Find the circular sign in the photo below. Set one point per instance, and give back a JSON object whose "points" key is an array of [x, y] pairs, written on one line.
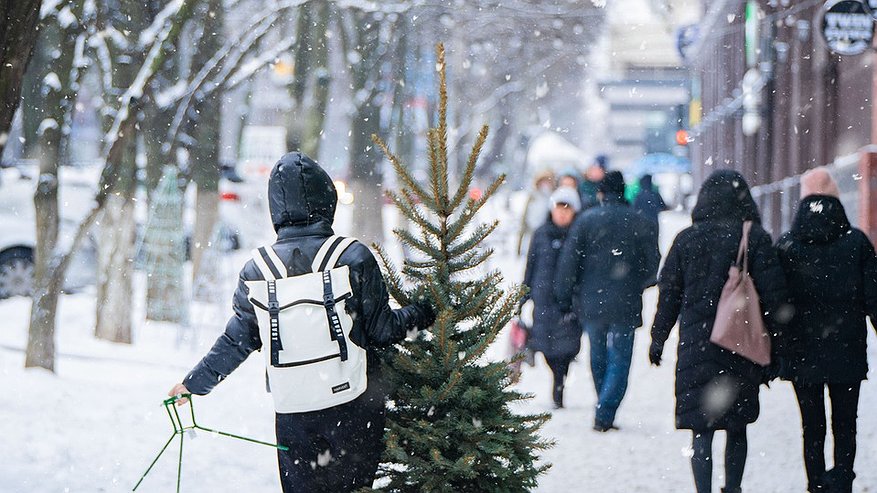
{"points": [[847, 27]]}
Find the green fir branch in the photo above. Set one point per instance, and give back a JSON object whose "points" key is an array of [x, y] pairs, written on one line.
{"points": [[474, 240], [495, 322], [395, 283], [435, 177], [479, 304], [469, 172], [412, 212], [403, 175], [410, 240], [442, 136], [473, 206], [472, 260]]}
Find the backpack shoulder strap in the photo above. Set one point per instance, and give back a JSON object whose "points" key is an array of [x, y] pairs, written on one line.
{"points": [[328, 254], [332, 261], [323, 252], [269, 263], [275, 260]]}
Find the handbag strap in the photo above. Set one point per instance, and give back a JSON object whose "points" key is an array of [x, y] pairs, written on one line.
{"points": [[743, 249]]}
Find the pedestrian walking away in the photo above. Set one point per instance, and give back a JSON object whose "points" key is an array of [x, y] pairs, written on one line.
{"points": [[831, 270], [590, 185], [649, 201], [555, 334], [610, 257], [334, 431], [715, 388], [536, 209]]}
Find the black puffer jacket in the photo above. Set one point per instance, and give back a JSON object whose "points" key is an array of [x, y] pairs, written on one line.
{"points": [[302, 200], [610, 256], [832, 273], [557, 337], [715, 389]]}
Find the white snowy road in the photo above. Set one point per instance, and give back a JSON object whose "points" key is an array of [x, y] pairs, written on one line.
{"points": [[97, 422]]}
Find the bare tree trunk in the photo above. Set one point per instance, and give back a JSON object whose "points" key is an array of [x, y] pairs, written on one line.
{"points": [[41, 333], [304, 47], [32, 98], [48, 281], [320, 79], [116, 254], [18, 35], [365, 176], [118, 229], [206, 132], [115, 270], [497, 152], [365, 159], [206, 218]]}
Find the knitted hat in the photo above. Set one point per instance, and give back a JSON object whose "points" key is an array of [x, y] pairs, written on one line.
{"points": [[818, 181], [612, 184], [567, 195]]}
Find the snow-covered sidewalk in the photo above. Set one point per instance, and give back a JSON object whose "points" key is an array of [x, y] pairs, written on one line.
{"points": [[96, 423]]}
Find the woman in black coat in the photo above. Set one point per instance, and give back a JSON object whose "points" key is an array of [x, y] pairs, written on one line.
{"points": [[555, 334], [715, 389], [831, 269]]}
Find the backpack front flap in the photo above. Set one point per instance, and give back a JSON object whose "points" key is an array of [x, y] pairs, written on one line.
{"points": [[304, 329]]}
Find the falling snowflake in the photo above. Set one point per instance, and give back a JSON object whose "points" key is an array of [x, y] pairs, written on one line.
{"points": [[324, 458]]}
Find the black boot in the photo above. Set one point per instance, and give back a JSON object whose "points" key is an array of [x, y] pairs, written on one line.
{"points": [[558, 397], [838, 481], [817, 486], [732, 490]]}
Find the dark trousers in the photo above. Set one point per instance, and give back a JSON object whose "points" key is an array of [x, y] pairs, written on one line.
{"points": [[333, 450], [844, 407], [736, 447], [559, 368]]}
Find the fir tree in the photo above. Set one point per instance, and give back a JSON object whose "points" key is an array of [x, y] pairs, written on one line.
{"points": [[450, 427]]}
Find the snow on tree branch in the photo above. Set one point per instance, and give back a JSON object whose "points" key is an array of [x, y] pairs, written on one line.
{"points": [[217, 72], [175, 16], [160, 23]]}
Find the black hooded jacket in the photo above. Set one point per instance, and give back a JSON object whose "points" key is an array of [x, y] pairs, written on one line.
{"points": [[609, 258], [649, 201], [690, 284], [302, 201], [832, 273]]}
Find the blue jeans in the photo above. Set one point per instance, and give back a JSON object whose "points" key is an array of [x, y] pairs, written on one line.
{"points": [[611, 352]]}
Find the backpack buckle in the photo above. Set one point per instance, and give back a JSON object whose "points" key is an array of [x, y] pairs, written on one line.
{"points": [[328, 295]]}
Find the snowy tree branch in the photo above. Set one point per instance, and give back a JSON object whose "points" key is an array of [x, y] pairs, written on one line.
{"points": [[222, 65], [177, 13]]}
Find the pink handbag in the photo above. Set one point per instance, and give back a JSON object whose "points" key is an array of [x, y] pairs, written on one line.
{"points": [[739, 326]]}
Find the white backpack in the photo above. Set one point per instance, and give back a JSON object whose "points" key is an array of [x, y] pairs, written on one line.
{"points": [[305, 330]]}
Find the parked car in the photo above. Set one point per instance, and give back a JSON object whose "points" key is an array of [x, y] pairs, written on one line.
{"points": [[18, 223], [18, 231]]}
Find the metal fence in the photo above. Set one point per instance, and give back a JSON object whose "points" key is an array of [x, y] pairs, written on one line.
{"points": [[778, 201]]}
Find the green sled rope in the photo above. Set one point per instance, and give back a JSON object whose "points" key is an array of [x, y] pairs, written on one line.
{"points": [[180, 429]]}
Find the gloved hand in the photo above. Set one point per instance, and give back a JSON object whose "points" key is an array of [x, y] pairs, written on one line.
{"points": [[771, 372], [568, 318], [426, 313], [524, 300], [655, 351]]}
